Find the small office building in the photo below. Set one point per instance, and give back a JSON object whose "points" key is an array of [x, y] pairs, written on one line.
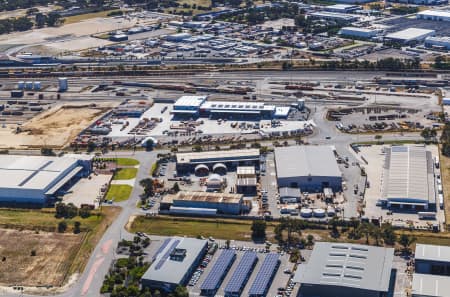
{"points": [[174, 263]]}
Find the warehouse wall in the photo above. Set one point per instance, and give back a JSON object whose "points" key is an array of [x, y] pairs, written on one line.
{"points": [[312, 183], [334, 291]]}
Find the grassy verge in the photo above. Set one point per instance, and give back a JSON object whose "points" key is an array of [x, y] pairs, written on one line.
{"points": [[445, 176], [223, 229], [81, 17], [42, 220], [108, 215], [119, 193], [241, 230], [125, 173], [127, 162]]}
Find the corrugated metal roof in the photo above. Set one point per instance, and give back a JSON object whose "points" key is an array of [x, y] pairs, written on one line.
{"points": [[33, 172], [218, 156], [408, 173], [293, 161], [430, 285], [171, 271], [348, 265], [432, 252]]}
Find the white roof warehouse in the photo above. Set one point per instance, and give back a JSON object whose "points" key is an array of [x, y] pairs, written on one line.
{"points": [[35, 179], [409, 177], [311, 168]]}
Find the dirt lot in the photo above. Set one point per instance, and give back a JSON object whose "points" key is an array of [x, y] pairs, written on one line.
{"points": [[55, 127], [48, 267]]}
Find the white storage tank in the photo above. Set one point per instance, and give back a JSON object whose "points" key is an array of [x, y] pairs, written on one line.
{"points": [[21, 85], [29, 85], [331, 211], [319, 213], [37, 85], [62, 84], [306, 212]]}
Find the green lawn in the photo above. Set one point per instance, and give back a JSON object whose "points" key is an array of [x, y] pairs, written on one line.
{"points": [[119, 192], [127, 162], [125, 173]]}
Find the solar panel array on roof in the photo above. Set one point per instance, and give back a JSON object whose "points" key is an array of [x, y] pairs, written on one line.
{"points": [[241, 274], [265, 274], [161, 248], [167, 254], [219, 270]]}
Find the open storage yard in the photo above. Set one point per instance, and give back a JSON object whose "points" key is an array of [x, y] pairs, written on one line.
{"points": [[55, 127]]}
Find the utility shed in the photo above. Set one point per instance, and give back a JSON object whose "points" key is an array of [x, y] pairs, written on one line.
{"points": [[342, 270], [409, 182], [310, 168]]}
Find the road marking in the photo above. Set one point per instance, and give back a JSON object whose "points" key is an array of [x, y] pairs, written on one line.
{"points": [[91, 274], [106, 246]]}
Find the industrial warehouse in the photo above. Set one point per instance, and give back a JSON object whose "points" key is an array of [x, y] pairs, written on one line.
{"points": [[204, 203], [37, 180], [342, 270], [409, 179], [195, 106], [432, 269], [203, 162], [310, 168], [174, 262]]}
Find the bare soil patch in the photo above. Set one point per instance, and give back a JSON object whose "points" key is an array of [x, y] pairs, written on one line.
{"points": [[54, 255]]}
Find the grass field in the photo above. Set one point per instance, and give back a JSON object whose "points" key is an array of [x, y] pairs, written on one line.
{"points": [[223, 229], [240, 230], [57, 255], [445, 176], [127, 162], [119, 193], [81, 17], [125, 173]]}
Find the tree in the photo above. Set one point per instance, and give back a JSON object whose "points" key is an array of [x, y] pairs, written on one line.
{"points": [[176, 187], [149, 143], [22, 24], [310, 240], [84, 212], [259, 229], [147, 184], [376, 234], [33, 253], [53, 19], [76, 227], [62, 227], [388, 234], [406, 241], [40, 20], [66, 211], [366, 229], [181, 291], [45, 151]]}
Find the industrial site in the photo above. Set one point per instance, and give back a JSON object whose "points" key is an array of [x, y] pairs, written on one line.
{"points": [[224, 148]]}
